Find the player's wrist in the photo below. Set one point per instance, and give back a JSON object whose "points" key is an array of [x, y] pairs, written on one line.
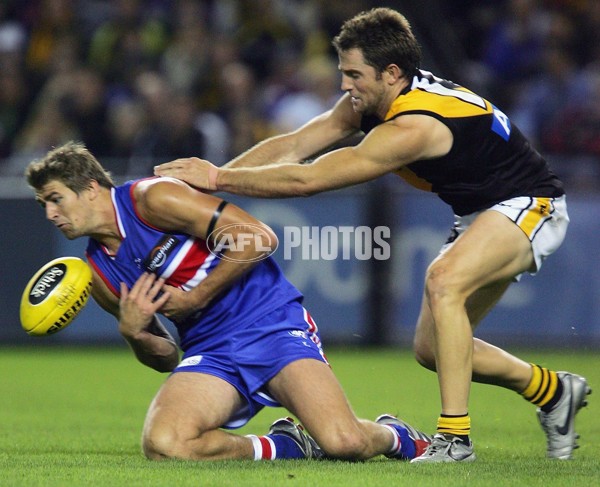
{"points": [[133, 331], [213, 173]]}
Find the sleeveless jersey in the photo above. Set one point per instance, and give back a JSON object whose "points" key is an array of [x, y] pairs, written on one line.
{"points": [[184, 261], [490, 160]]}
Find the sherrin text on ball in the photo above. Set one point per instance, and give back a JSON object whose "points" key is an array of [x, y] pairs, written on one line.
{"points": [[55, 295]]}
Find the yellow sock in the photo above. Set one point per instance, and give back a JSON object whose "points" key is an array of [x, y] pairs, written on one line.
{"points": [[542, 386], [454, 425]]}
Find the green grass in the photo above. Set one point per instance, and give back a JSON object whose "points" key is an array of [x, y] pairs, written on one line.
{"points": [[72, 417]]}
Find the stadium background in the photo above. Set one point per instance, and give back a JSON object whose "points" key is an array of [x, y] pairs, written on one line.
{"points": [[143, 82]]}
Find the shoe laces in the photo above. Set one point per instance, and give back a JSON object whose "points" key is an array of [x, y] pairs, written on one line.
{"points": [[440, 443]]}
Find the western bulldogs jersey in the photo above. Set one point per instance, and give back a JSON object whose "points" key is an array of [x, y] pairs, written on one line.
{"points": [[490, 160], [184, 261]]}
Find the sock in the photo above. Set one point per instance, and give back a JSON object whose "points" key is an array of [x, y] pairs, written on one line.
{"points": [[544, 389], [403, 446], [271, 447], [455, 425]]}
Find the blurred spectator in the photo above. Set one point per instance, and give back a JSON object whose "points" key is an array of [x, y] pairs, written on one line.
{"points": [[84, 106], [186, 60], [241, 107], [542, 99], [45, 127], [217, 137], [128, 42], [576, 128], [514, 47], [316, 92], [589, 27], [153, 92], [284, 80], [14, 95], [171, 129], [126, 120], [13, 36], [54, 26], [14, 105], [261, 33]]}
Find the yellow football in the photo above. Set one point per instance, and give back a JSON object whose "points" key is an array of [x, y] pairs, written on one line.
{"points": [[55, 295]]}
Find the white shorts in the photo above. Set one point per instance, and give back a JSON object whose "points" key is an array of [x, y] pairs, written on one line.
{"points": [[543, 220]]}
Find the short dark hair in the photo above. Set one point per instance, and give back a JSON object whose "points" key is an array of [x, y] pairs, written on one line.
{"points": [[72, 164], [384, 36]]}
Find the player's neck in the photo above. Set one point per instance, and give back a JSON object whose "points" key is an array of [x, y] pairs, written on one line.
{"points": [[392, 94], [106, 231]]}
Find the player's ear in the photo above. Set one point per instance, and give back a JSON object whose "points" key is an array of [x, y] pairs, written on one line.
{"points": [[392, 73], [94, 189]]}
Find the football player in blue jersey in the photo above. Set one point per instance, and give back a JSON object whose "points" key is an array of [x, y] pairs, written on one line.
{"points": [[510, 211], [158, 246]]}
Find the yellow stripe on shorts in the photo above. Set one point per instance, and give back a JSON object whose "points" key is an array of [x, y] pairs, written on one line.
{"points": [[534, 217]]}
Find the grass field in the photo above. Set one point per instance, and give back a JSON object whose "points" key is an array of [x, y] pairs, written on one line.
{"points": [[73, 416]]}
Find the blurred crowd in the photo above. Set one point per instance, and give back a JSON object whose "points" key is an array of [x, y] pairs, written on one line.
{"points": [[146, 81], [540, 61]]}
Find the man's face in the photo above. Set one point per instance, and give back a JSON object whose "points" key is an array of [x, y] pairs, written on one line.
{"points": [[362, 83], [65, 208]]}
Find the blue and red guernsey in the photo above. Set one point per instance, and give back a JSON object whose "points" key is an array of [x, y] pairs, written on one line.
{"points": [[185, 261]]}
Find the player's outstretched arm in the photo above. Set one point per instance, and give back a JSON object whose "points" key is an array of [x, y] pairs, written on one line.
{"points": [[386, 148], [314, 137]]}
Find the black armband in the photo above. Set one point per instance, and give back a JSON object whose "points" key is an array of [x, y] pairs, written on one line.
{"points": [[215, 217]]}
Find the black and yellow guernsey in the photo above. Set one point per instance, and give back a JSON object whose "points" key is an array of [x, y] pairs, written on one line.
{"points": [[490, 159]]}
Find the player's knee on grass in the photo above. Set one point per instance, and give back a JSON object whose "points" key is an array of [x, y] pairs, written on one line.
{"points": [[157, 445], [160, 443], [344, 444]]}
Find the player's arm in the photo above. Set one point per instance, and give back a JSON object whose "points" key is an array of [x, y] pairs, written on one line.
{"points": [[150, 341], [386, 148], [313, 137], [172, 205]]}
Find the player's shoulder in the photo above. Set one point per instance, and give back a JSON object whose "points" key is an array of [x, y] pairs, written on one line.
{"points": [[156, 190], [156, 184], [159, 201], [431, 94]]}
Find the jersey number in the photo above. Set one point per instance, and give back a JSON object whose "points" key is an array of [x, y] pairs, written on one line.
{"points": [[433, 84], [501, 124], [443, 87]]}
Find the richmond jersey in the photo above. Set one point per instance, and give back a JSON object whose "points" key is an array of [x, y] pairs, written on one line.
{"points": [[490, 159], [185, 261]]}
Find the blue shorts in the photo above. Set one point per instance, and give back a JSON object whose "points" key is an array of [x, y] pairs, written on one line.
{"points": [[255, 354]]}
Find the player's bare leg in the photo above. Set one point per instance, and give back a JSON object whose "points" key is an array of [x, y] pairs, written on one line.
{"points": [[184, 418], [309, 389], [491, 250], [491, 364]]}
